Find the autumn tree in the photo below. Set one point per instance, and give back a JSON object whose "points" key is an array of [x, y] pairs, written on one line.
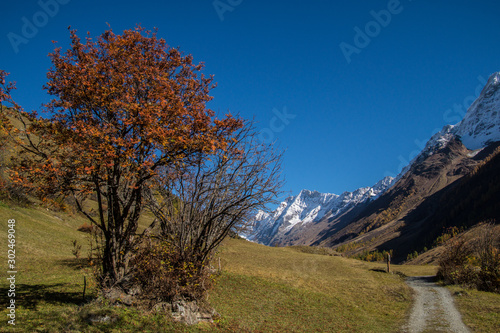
{"points": [[5, 125], [8, 108], [124, 107], [9, 134], [198, 205]]}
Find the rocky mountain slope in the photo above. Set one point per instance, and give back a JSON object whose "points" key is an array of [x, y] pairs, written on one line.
{"points": [[295, 216], [452, 187], [396, 213]]}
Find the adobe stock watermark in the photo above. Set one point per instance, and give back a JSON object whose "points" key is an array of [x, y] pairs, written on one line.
{"points": [[458, 111], [11, 271], [223, 6], [277, 124], [363, 37], [31, 25], [451, 116]]}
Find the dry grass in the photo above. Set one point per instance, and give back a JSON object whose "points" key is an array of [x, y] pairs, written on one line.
{"points": [[480, 310], [333, 293], [261, 289]]}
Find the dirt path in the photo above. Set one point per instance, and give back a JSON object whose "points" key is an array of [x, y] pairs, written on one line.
{"points": [[433, 309]]}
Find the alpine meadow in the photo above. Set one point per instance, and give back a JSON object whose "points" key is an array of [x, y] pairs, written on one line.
{"points": [[147, 187]]}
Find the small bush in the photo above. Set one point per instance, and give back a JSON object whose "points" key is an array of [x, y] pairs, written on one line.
{"points": [[166, 273], [86, 228], [373, 255], [76, 249], [12, 192], [473, 259]]}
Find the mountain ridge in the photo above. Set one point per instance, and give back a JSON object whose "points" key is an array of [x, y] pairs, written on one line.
{"points": [[300, 223], [308, 207]]}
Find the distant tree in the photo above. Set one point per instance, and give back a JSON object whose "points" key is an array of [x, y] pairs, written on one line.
{"points": [[9, 134], [196, 207], [6, 105], [5, 125], [125, 107]]}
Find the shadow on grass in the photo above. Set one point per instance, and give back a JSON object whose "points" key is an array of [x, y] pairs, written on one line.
{"points": [[29, 295], [76, 264]]}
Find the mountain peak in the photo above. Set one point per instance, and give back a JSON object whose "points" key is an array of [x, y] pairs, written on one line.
{"points": [[309, 211], [481, 124], [309, 207], [307, 195], [494, 80]]}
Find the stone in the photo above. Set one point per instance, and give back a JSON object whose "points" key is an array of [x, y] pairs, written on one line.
{"points": [[94, 318], [118, 296], [190, 313]]}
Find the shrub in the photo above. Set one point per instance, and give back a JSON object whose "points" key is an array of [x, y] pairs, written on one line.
{"points": [[86, 228], [76, 249], [373, 255], [166, 273], [473, 259]]}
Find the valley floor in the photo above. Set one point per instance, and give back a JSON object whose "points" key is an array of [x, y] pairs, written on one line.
{"points": [[260, 289]]}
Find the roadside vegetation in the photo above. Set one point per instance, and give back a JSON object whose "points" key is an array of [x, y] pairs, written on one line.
{"points": [[124, 196], [473, 259], [259, 289]]}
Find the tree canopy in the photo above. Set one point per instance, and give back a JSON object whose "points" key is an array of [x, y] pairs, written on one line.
{"points": [[124, 106], [128, 129]]}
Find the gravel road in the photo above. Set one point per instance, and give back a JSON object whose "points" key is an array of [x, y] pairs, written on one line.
{"points": [[433, 309]]}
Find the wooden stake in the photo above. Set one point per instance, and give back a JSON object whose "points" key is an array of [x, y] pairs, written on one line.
{"points": [[84, 286]]}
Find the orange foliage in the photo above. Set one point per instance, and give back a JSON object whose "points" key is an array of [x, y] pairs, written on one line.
{"points": [[5, 89], [126, 101], [124, 106]]}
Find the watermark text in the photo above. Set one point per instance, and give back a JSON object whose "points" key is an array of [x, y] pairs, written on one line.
{"points": [[31, 25], [223, 6], [11, 271]]}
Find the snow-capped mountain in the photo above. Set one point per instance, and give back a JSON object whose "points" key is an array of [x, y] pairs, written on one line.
{"points": [[480, 126], [309, 207], [453, 182], [309, 210]]}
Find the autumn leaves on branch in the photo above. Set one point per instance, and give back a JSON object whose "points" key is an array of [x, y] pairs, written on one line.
{"points": [[128, 124]]}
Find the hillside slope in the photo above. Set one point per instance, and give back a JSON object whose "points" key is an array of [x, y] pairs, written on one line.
{"points": [[261, 289], [412, 210], [300, 217], [452, 187]]}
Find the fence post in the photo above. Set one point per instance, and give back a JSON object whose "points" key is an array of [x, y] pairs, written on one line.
{"points": [[388, 263], [84, 287]]}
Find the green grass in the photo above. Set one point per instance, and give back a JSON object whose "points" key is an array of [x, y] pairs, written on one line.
{"points": [[480, 310], [44, 245], [261, 289], [292, 291]]}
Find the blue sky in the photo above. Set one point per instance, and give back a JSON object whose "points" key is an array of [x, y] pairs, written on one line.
{"points": [[348, 107]]}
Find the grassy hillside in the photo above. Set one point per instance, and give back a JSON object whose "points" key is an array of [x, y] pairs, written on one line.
{"points": [[450, 188], [287, 290], [261, 289]]}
